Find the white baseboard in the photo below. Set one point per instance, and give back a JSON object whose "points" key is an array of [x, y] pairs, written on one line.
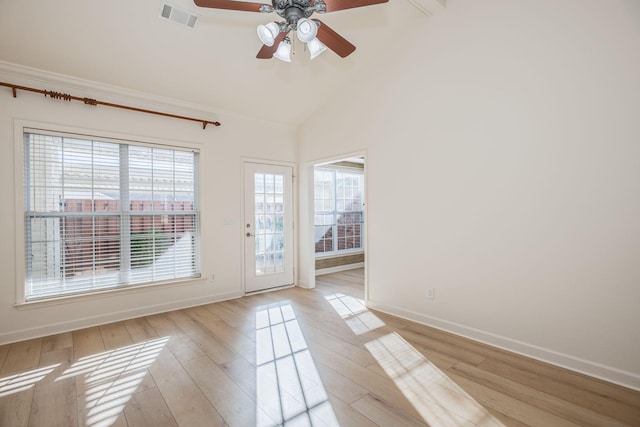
{"points": [[593, 369], [338, 268], [86, 322]]}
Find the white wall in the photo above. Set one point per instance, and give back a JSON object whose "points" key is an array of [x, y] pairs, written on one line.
{"points": [[222, 149], [510, 133]]}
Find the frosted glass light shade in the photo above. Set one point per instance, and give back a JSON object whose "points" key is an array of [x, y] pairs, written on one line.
{"points": [[284, 51], [268, 33], [316, 47], [306, 30]]}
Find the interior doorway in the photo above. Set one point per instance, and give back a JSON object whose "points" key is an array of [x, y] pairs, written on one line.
{"points": [[339, 217]]}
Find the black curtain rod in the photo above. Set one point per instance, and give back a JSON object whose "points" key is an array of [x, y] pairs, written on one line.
{"points": [[91, 101]]}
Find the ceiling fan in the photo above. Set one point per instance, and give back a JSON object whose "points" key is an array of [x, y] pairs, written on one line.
{"points": [[296, 13]]}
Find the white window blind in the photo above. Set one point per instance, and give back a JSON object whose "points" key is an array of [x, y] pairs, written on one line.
{"points": [[103, 214]]}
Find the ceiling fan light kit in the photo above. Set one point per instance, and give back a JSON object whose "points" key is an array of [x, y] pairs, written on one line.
{"points": [[306, 30], [296, 13], [315, 47], [268, 33], [283, 53]]}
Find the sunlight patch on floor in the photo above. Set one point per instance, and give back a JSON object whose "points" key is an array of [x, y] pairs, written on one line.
{"points": [[354, 313], [438, 399], [24, 380], [111, 378], [288, 387]]}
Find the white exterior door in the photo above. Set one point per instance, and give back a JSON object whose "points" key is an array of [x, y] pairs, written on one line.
{"points": [[268, 226]]}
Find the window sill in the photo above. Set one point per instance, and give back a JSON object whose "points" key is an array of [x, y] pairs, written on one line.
{"points": [[66, 299], [330, 255]]}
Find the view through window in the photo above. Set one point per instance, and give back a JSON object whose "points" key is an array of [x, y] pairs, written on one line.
{"points": [[101, 214], [339, 216]]}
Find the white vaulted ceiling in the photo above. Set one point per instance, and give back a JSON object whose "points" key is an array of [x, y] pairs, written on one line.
{"points": [[125, 43]]}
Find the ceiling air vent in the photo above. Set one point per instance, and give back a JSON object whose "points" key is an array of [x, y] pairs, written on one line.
{"points": [[180, 16]]}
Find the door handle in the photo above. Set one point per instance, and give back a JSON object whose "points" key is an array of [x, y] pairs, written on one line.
{"points": [[250, 235]]}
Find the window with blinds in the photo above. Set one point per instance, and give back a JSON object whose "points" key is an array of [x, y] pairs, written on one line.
{"points": [[104, 214]]}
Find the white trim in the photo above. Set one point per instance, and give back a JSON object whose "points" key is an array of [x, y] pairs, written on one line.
{"points": [[20, 127], [339, 254], [86, 322], [339, 268], [98, 294], [18, 200], [593, 369], [294, 195], [309, 210]]}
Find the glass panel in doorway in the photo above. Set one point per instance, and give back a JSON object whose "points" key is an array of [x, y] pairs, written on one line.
{"points": [[269, 223]]}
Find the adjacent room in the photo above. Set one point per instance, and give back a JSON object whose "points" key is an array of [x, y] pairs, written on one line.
{"points": [[320, 213]]}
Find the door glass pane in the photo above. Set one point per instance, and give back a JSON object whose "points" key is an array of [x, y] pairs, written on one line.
{"points": [[269, 223]]}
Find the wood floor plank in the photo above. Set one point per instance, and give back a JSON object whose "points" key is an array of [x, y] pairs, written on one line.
{"points": [[354, 352], [294, 357], [148, 409], [441, 347], [549, 403], [225, 312], [17, 382], [202, 337], [379, 412], [22, 356], [242, 373], [510, 406], [348, 416], [188, 404], [339, 385], [4, 350], [54, 399], [235, 406], [230, 337], [376, 384], [584, 397], [140, 329], [87, 342], [57, 342], [115, 335], [184, 348], [163, 325], [15, 407]]}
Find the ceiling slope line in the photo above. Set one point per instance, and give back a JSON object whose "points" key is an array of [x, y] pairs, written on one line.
{"points": [[429, 7]]}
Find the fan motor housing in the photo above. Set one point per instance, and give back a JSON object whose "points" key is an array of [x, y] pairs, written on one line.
{"points": [[293, 10]]}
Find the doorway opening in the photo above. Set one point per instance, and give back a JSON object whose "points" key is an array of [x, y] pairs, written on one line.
{"points": [[339, 219]]}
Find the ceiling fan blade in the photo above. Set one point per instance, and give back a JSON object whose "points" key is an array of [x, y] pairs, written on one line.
{"points": [[266, 52], [232, 5], [333, 5], [334, 41]]}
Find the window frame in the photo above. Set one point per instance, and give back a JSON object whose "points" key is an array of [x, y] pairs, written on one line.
{"points": [[20, 128], [340, 252]]}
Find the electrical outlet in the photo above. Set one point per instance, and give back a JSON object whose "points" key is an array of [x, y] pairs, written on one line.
{"points": [[431, 293], [212, 277]]}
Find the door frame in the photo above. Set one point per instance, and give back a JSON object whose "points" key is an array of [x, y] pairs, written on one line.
{"points": [[294, 195], [307, 247]]}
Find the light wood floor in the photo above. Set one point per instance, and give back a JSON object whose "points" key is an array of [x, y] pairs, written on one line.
{"points": [[294, 357]]}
